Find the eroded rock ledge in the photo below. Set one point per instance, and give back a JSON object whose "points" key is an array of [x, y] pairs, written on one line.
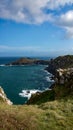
{"points": [[62, 88], [63, 76], [3, 97]]}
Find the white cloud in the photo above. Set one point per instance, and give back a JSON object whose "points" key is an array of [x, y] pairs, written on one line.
{"points": [[54, 4], [29, 11], [34, 12], [25, 11], [66, 21]]}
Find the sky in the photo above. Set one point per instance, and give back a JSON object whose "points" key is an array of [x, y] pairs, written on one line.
{"points": [[36, 27]]}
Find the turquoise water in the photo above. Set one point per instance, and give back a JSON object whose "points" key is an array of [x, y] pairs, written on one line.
{"points": [[14, 79]]}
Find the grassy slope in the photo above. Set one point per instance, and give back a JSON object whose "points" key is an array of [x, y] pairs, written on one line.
{"points": [[54, 115], [52, 110], [48, 115]]}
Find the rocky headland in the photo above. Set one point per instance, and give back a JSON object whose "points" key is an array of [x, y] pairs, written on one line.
{"points": [[51, 109], [62, 88], [28, 61], [62, 62], [62, 69]]}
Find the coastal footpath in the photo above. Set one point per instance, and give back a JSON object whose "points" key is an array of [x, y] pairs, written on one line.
{"points": [[50, 110]]}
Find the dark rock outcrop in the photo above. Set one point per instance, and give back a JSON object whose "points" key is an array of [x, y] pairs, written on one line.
{"points": [[27, 61], [62, 88], [41, 97], [60, 62]]}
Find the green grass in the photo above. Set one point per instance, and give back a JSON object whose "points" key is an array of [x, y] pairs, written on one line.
{"points": [[50, 110], [38, 98], [53, 115]]}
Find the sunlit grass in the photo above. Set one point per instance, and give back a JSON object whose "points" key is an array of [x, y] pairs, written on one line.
{"points": [[54, 115]]}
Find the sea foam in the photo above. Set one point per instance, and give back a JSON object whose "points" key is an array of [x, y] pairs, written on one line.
{"points": [[48, 79], [28, 93], [2, 65]]}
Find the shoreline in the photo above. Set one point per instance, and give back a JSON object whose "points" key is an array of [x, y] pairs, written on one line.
{"points": [[28, 93]]}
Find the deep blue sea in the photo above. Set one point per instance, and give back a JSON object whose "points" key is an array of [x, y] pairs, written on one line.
{"points": [[17, 80]]}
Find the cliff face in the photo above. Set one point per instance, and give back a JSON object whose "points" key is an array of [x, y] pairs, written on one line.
{"points": [[3, 97], [64, 76], [62, 88], [62, 62]]}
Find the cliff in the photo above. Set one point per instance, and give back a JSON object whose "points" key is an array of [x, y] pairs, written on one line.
{"points": [[60, 62], [61, 89], [3, 97], [63, 86]]}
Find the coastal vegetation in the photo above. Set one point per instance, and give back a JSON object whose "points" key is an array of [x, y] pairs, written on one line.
{"points": [[50, 110]]}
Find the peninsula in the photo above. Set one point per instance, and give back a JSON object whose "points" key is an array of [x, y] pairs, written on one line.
{"points": [[28, 61]]}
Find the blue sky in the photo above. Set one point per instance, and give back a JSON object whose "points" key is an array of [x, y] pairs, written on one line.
{"points": [[36, 28]]}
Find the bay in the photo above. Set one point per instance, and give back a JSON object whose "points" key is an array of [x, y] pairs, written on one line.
{"points": [[15, 79]]}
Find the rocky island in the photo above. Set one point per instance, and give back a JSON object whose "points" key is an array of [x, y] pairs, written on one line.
{"points": [[52, 109], [28, 61]]}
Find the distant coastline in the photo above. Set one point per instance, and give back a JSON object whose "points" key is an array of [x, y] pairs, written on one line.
{"points": [[6, 60]]}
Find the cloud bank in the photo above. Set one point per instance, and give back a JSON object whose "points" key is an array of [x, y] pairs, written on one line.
{"points": [[38, 12], [30, 11], [66, 21]]}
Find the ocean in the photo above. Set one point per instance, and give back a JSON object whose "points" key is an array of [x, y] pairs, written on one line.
{"points": [[19, 82]]}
